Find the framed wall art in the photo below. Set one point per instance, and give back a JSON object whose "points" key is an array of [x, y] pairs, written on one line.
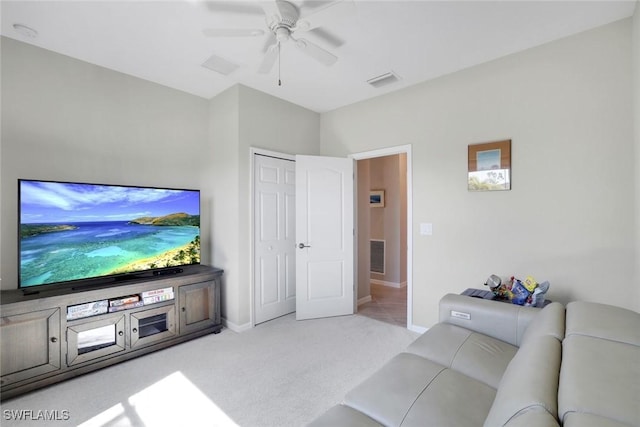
{"points": [[376, 198], [489, 166]]}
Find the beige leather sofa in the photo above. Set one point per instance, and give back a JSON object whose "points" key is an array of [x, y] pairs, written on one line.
{"points": [[495, 364]]}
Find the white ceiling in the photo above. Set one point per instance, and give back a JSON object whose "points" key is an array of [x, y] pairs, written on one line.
{"points": [[162, 41]]}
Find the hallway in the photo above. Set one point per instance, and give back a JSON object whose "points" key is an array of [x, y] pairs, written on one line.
{"points": [[387, 304]]}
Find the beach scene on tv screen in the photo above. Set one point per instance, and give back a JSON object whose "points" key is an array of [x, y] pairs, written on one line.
{"points": [[73, 231]]}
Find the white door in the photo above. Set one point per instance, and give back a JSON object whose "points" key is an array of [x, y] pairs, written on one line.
{"points": [[324, 235], [274, 238]]}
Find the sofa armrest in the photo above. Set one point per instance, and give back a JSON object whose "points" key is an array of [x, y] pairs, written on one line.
{"points": [[506, 322]]}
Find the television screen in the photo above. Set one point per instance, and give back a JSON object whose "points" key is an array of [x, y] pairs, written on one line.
{"points": [[74, 231]]}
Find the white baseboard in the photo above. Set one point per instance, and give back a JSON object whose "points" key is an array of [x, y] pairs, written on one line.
{"points": [[389, 284], [364, 300], [236, 328], [418, 329]]}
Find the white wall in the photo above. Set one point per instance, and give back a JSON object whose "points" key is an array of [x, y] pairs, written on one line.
{"points": [[266, 122], [64, 119], [570, 214]]}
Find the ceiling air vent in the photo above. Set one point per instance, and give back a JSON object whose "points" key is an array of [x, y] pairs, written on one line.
{"points": [[220, 65], [383, 79]]}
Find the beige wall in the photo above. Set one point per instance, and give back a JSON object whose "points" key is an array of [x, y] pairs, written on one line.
{"points": [[363, 219], [389, 223], [64, 119], [569, 216], [224, 119]]}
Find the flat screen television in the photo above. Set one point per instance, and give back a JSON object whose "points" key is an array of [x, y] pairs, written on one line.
{"points": [[76, 233]]}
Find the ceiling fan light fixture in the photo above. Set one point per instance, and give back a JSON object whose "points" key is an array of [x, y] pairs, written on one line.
{"points": [[282, 34]]}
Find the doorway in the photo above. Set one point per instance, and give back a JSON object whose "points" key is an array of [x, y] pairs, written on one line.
{"points": [[362, 265], [308, 198], [382, 238]]}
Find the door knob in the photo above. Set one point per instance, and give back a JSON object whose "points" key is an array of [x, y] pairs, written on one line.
{"points": [[302, 246]]}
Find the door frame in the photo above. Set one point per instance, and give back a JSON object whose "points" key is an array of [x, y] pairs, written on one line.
{"points": [[389, 151], [252, 153]]}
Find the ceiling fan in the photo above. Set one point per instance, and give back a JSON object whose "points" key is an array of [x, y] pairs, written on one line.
{"points": [[283, 20]]}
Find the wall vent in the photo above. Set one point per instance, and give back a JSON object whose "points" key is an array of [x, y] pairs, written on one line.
{"points": [[377, 256], [383, 79]]}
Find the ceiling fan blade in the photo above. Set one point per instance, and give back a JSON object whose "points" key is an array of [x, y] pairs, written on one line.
{"points": [[316, 52], [271, 11], [328, 38], [242, 8], [232, 32], [325, 14], [269, 41], [269, 59]]}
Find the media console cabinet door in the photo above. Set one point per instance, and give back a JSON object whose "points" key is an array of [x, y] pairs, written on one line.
{"points": [[30, 345], [93, 339], [150, 326], [197, 306]]}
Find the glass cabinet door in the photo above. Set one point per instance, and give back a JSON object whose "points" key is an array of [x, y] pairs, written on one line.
{"points": [[90, 340], [153, 325]]}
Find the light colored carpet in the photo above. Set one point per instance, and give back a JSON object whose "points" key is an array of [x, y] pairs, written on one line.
{"points": [[281, 373]]}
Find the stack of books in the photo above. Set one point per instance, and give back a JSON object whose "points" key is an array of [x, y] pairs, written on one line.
{"points": [[125, 303], [158, 295], [87, 309]]}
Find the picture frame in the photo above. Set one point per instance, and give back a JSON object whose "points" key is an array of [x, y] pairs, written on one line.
{"points": [[489, 166], [376, 199]]}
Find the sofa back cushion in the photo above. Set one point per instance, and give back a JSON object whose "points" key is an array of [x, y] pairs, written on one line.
{"points": [[503, 321], [549, 321], [603, 321], [600, 375], [530, 383]]}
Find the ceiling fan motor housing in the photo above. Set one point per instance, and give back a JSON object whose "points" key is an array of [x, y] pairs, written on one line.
{"points": [[289, 14]]}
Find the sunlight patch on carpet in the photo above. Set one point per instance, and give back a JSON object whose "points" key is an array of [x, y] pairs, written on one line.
{"points": [[174, 400]]}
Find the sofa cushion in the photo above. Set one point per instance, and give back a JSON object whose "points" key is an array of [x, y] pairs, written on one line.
{"points": [[412, 383], [451, 400], [343, 416], [387, 395], [603, 321], [549, 321], [475, 355], [529, 383], [575, 419], [600, 377], [536, 416]]}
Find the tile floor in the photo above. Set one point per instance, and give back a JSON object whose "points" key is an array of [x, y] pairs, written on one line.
{"points": [[387, 304]]}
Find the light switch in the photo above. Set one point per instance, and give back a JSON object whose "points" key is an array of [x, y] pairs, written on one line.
{"points": [[426, 228]]}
